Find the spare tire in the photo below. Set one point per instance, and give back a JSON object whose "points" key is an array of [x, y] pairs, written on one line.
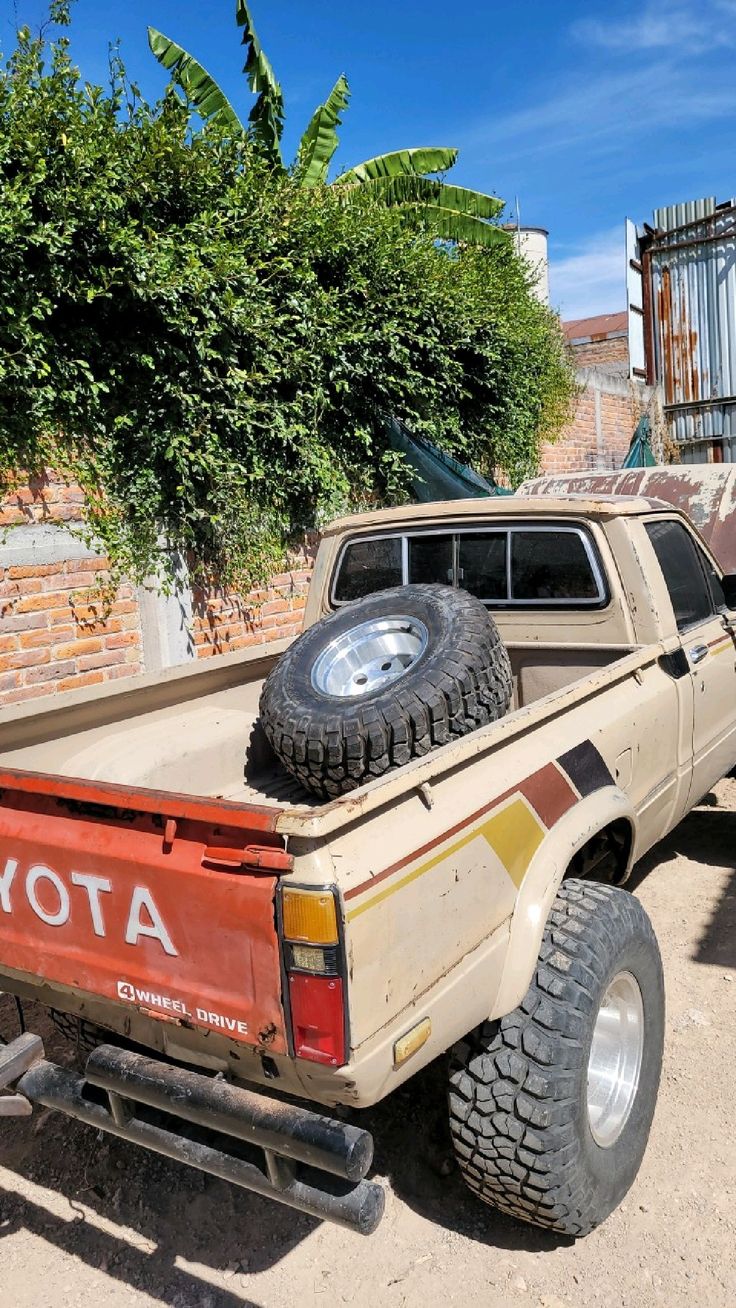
{"points": [[381, 681]]}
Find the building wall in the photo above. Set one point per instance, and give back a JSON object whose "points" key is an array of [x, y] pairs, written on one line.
{"points": [[61, 629], [601, 353], [607, 410]]}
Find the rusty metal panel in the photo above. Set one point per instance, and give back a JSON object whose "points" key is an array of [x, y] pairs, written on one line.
{"points": [[706, 492], [693, 304]]}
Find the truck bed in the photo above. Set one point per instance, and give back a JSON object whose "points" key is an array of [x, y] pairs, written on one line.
{"points": [[190, 730]]}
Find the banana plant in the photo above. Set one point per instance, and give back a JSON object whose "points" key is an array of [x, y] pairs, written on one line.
{"points": [[409, 181]]}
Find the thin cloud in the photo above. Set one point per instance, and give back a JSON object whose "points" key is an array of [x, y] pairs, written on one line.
{"points": [[592, 280], [608, 111], [677, 26]]}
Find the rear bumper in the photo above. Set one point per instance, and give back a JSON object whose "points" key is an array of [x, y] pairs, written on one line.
{"points": [[297, 1157]]}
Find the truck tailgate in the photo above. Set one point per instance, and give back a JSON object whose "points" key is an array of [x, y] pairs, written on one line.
{"points": [[147, 899]]}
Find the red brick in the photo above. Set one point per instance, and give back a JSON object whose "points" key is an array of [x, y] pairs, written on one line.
{"points": [[36, 570], [121, 639], [80, 680], [26, 692], [75, 648], [24, 658], [123, 670], [50, 672], [104, 659], [23, 621], [33, 603]]}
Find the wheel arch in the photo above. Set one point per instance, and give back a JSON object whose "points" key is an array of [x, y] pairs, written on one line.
{"points": [[606, 812]]}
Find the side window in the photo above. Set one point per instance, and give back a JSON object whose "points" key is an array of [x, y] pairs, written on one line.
{"points": [[482, 564], [681, 562], [367, 566]]}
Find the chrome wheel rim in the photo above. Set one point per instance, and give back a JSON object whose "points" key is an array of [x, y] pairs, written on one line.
{"points": [[614, 1065], [368, 657]]}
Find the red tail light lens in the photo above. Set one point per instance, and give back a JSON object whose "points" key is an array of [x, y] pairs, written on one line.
{"points": [[317, 1018]]}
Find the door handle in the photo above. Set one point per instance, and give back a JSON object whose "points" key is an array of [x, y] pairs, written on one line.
{"points": [[698, 653]]}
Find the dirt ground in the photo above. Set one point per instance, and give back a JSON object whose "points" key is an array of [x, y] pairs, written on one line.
{"points": [[87, 1220]]}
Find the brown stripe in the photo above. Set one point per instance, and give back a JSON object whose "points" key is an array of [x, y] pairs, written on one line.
{"points": [[549, 793], [561, 798]]}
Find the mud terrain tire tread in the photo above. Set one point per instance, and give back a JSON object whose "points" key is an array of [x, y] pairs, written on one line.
{"points": [[462, 683], [518, 1114]]}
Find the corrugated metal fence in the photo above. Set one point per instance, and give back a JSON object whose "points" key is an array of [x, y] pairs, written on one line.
{"points": [[689, 267]]}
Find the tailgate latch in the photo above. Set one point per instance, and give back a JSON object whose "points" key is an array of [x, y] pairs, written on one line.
{"points": [[258, 858]]}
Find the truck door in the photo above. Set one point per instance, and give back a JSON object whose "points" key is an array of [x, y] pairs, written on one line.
{"points": [[704, 626]]}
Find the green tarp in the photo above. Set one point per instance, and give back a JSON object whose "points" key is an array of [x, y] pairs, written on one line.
{"points": [[640, 451], [437, 476]]}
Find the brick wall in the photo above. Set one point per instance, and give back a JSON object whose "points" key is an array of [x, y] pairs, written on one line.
{"points": [[601, 353], [606, 413], [52, 638], [57, 633], [223, 622]]}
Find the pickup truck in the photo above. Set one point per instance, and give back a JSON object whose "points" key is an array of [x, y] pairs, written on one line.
{"points": [[246, 965]]}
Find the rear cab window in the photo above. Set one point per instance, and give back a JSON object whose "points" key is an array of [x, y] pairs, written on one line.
{"points": [[506, 566]]}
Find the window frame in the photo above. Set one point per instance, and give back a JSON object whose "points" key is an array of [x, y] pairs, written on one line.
{"points": [[456, 530]]}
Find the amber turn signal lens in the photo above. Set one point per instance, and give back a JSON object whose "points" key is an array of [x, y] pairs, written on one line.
{"points": [[309, 915]]}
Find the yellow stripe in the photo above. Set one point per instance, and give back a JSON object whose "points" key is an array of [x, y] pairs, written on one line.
{"points": [[514, 835], [724, 646]]}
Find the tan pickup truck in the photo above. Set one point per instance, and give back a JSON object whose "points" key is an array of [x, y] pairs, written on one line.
{"points": [[413, 849]]}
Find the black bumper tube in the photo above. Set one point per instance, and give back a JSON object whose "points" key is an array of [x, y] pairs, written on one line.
{"points": [[331, 1153]]}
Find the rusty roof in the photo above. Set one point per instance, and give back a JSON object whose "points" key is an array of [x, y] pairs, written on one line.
{"points": [[596, 329]]}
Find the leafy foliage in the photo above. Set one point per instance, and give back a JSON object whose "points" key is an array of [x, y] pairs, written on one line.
{"points": [[400, 179], [211, 349]]}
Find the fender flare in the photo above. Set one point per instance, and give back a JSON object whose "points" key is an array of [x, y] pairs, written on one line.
{"points": [[542, 880]]}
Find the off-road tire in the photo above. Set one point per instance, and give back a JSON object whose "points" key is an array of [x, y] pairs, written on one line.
{"points": [[518, 1110], [461, 682]]}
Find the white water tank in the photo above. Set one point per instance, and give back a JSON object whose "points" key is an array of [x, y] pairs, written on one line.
{"points": [[531, 243]]}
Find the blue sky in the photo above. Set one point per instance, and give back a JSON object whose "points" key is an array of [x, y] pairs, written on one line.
{"points": [[588, 112]]}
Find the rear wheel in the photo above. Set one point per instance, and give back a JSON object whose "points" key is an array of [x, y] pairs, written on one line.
{"points": [[550, 1108]]}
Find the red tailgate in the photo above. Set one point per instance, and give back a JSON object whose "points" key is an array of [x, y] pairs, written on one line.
{"points": [[127, 895]]}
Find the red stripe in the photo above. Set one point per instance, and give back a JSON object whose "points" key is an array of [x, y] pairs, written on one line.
{"points": [[550, 794]]}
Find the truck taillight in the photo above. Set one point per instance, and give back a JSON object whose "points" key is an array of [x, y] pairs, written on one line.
{"points": [[314, 964]]}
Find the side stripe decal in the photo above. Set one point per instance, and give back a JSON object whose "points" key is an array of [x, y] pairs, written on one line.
{"points": [[519, 821]]}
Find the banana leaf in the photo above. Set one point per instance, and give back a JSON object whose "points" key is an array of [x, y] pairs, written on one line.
{"points": [[406, 190], [199, 87], [451, 225], [267, 115], [320, 140], [398, 163]]}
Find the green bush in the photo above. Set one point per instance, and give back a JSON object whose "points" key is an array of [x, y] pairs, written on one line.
{"points": [[211, 350]]}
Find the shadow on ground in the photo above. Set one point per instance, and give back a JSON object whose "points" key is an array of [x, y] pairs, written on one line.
{"points": [[174, 1212], [706, 835]]}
